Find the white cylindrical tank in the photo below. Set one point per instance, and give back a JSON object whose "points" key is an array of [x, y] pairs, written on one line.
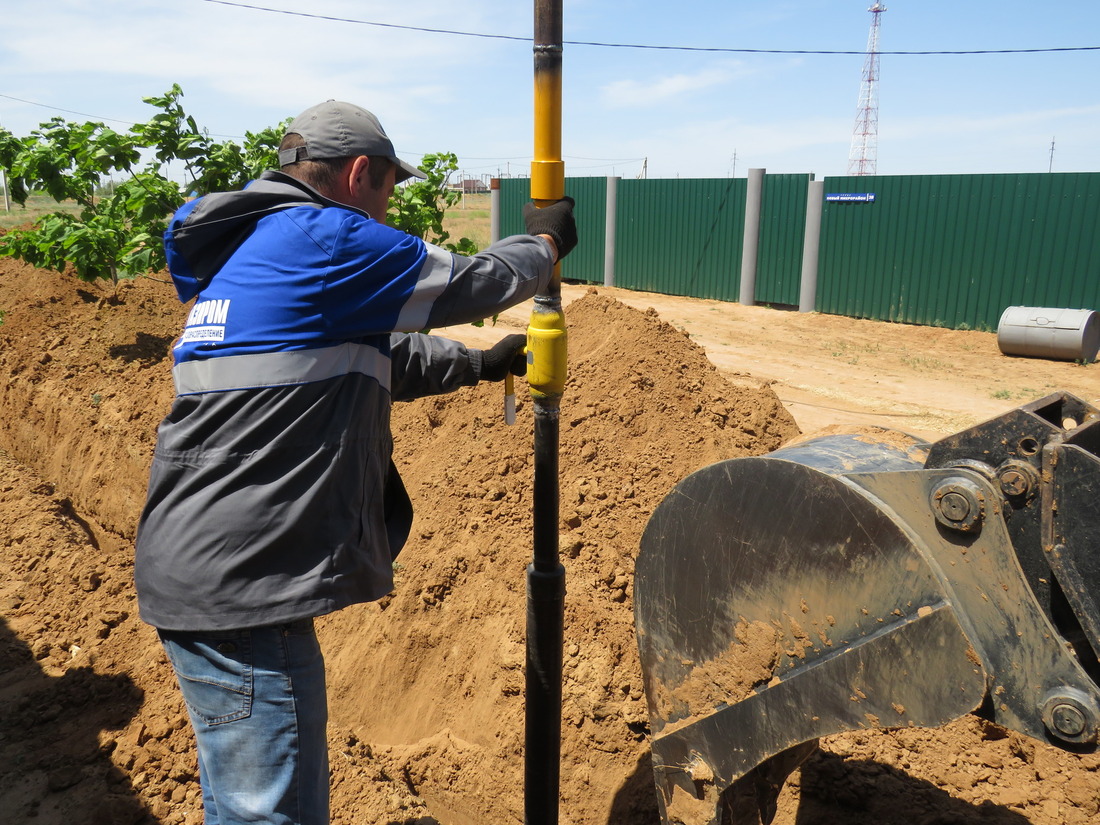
{"points": [[1061, 334]]}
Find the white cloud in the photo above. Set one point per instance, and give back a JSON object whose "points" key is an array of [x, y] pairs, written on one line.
{"points": [[639, 93], [1007, 123], [246, 66]]}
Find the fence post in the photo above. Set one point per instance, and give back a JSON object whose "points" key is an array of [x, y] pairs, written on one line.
{"points": [[494, 210], [807, 296], [611, 205], [752, 236]]}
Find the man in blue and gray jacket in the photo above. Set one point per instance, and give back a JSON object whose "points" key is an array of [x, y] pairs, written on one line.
{"points": [[273, 498]]}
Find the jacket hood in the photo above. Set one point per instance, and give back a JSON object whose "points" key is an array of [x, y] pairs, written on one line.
{"points": [[205, 232]]}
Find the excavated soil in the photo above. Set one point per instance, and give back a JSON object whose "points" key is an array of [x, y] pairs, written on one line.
{"points": [[427, 684]]}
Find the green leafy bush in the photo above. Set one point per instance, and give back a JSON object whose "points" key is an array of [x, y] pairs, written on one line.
{"points": [[417, 207], [117, 229]]}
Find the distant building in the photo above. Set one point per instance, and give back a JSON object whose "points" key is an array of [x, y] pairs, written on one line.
{"points": [[470, 186]]}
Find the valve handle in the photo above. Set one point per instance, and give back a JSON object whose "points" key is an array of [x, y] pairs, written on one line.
{"points": [[509, 399]]}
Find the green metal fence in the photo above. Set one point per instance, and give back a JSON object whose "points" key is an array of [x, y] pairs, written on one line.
{"points": [[955, 250], [782, 230], [945, 250], [585, 263], [680, 237]]}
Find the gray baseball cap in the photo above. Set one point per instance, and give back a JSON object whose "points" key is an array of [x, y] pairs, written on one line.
{"points": [[334, 129]]}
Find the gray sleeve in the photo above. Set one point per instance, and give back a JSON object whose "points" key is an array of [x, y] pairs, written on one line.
{"points": [[430, 365], [453, 289]]}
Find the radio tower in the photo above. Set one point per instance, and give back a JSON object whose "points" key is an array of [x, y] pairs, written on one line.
{"points": [[863, 156]]}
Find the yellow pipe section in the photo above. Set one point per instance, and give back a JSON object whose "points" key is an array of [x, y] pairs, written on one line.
{"points": [[547, 168], [546, 336]]}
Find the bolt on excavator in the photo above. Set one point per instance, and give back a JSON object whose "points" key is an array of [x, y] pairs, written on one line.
{"points": [[854, 582]]}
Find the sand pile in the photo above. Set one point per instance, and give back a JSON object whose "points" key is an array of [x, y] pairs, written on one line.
{"points": [[433, 678]]}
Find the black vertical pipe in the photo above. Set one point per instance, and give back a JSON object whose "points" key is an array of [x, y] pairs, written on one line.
{"points": [[545, 627], [546, 343]]}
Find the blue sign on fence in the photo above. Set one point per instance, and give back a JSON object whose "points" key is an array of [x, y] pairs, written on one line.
{"points": [[851, 197]]}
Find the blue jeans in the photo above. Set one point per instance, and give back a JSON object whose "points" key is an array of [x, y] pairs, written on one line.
{"points": [[257, 702]]}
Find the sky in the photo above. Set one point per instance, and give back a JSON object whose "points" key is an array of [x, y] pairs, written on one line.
{"points": [[712, 111]]}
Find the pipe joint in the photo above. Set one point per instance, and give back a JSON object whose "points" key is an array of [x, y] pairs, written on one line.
{"points": [[547, 354]]}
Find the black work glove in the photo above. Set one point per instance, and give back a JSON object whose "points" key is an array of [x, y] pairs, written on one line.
{"points": [[555, 220], [505, 356]]}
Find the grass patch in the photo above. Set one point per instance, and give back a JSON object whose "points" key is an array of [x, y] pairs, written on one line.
{"points": [[920, 362], [1024, 393], [36, 207], [470, 218], [851, 352]]}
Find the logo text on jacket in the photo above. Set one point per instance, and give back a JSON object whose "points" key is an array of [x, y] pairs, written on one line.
{"points": [[206, 321]]}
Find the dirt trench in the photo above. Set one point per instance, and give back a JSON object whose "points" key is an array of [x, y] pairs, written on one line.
{"points": [[426, 685]]}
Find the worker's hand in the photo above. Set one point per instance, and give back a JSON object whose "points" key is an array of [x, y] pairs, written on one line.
{"points": [[505, 356], [555, 220]]}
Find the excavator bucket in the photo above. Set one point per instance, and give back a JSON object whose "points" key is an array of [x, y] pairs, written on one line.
{"points": [[858, 581]]}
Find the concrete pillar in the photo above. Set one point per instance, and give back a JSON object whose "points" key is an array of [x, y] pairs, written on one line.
{"points": [[611, 205], [494, 210], [815, 197], [752, 236]]}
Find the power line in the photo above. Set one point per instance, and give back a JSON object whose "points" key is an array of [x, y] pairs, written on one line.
{"points": [[601, 45], [95, 117], [826, 51], [528, 157], [59, 109], [608, 160], [367, 22]]}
